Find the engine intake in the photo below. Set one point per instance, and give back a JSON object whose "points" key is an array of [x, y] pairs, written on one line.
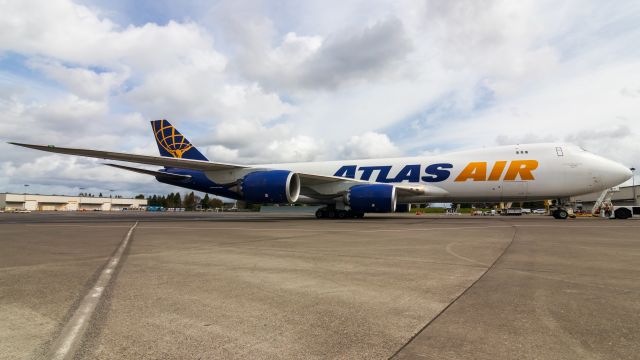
{"points": [[372, 198], [271, 186]]}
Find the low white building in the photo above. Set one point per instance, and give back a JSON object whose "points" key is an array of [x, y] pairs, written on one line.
{"points": [[35, 202], [625, 195]]}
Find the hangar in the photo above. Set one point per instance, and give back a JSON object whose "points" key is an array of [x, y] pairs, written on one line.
{"points": [[36, 202]]}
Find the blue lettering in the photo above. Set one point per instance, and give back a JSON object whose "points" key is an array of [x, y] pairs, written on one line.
{"points": [[437, 172], [367, 171], [410, 173], [348, 171]]}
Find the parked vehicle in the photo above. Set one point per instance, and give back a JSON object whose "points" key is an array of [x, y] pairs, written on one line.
{"points": [[512, 212], [625, 212], [539, 211]]}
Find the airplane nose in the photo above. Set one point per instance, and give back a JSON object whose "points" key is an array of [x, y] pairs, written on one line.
{"points": [[617, 173]]}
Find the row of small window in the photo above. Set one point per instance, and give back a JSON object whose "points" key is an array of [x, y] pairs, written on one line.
{"points": [[522, 152]]}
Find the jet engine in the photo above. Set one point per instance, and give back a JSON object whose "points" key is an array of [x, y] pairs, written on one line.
{"points": [[372, 198], [271, 186]]}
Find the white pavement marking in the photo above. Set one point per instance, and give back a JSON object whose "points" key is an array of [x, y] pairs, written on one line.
{"points": [[450, 251], [325, 229], [69, 340], [74, 225], [408, 229]]}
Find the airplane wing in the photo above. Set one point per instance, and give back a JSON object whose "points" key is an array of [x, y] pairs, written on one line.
{"points": [[160, 174], [140, 159], [403, 189], [306, 179]]}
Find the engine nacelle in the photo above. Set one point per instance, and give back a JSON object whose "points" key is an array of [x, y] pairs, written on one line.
{"points": [[372, 198], [271, 186]]}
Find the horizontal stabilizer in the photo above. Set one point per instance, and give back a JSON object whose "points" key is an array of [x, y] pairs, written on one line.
{"points": [[158, 174]]}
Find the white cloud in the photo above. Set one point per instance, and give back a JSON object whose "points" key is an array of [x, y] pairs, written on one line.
{"points": [[81, 81], [302, 63], [221, 153], [296, 149], [369, 145], [582, 108], [251, 81]]}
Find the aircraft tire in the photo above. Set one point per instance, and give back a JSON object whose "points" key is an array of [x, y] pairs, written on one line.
{"points": [[341, 214], [561, 214], [320, 213], [622, 213]]}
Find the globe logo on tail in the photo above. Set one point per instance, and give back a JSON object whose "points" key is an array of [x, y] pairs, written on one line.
{"points": [[170, 139]]}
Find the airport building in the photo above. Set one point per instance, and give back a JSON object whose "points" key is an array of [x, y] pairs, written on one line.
{"points": [[624, 195], [35, 202]]}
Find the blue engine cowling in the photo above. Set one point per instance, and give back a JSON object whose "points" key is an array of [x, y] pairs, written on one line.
{"points": [[271, 187], [372, 198]]}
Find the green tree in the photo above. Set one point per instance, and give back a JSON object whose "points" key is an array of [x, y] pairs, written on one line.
{"points": [[139, 196], [177, 200], [171, 201], [189, 201], [204, 203], [215, 203]]}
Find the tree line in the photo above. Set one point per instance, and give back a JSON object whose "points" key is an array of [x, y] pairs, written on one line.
{"points": [[189, 201]]}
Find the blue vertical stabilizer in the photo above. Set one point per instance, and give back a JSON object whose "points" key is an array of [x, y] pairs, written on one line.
{"points": [[172, 143]]}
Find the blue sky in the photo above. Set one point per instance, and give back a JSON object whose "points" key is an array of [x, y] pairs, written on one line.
{"points": [[281, 81]]}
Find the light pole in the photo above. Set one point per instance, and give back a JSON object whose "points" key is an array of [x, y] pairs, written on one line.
{"points": [[24, 205], [80, 198], [633, 185], [111, 199]]}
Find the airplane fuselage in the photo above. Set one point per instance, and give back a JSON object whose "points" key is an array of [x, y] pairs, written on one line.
{"points": [[505, 173]]}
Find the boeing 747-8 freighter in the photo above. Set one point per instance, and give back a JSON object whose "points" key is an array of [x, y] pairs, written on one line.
{"points": [[352, 188]]}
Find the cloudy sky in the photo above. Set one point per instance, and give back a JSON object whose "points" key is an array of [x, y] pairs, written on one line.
{"points": [[287, 80]]}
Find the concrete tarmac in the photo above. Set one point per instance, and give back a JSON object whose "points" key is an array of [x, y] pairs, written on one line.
{"points": [[280, 286]]}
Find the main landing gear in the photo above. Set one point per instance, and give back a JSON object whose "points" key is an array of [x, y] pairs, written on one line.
{"points": [[559, 211], [560, 214], [333, 213]]}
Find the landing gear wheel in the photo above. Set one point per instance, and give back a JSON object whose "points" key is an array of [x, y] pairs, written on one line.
{"points": [[341, 214], [320, 213], [561, 214], [358, 215]]}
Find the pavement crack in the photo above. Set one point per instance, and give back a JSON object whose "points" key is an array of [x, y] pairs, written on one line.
{"points": [[504, 251]]}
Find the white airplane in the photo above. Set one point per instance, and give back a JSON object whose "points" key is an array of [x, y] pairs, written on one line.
{"points": [[354, 187]]}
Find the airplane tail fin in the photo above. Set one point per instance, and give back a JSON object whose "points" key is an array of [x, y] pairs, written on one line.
{"points": [[172, 143]]}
